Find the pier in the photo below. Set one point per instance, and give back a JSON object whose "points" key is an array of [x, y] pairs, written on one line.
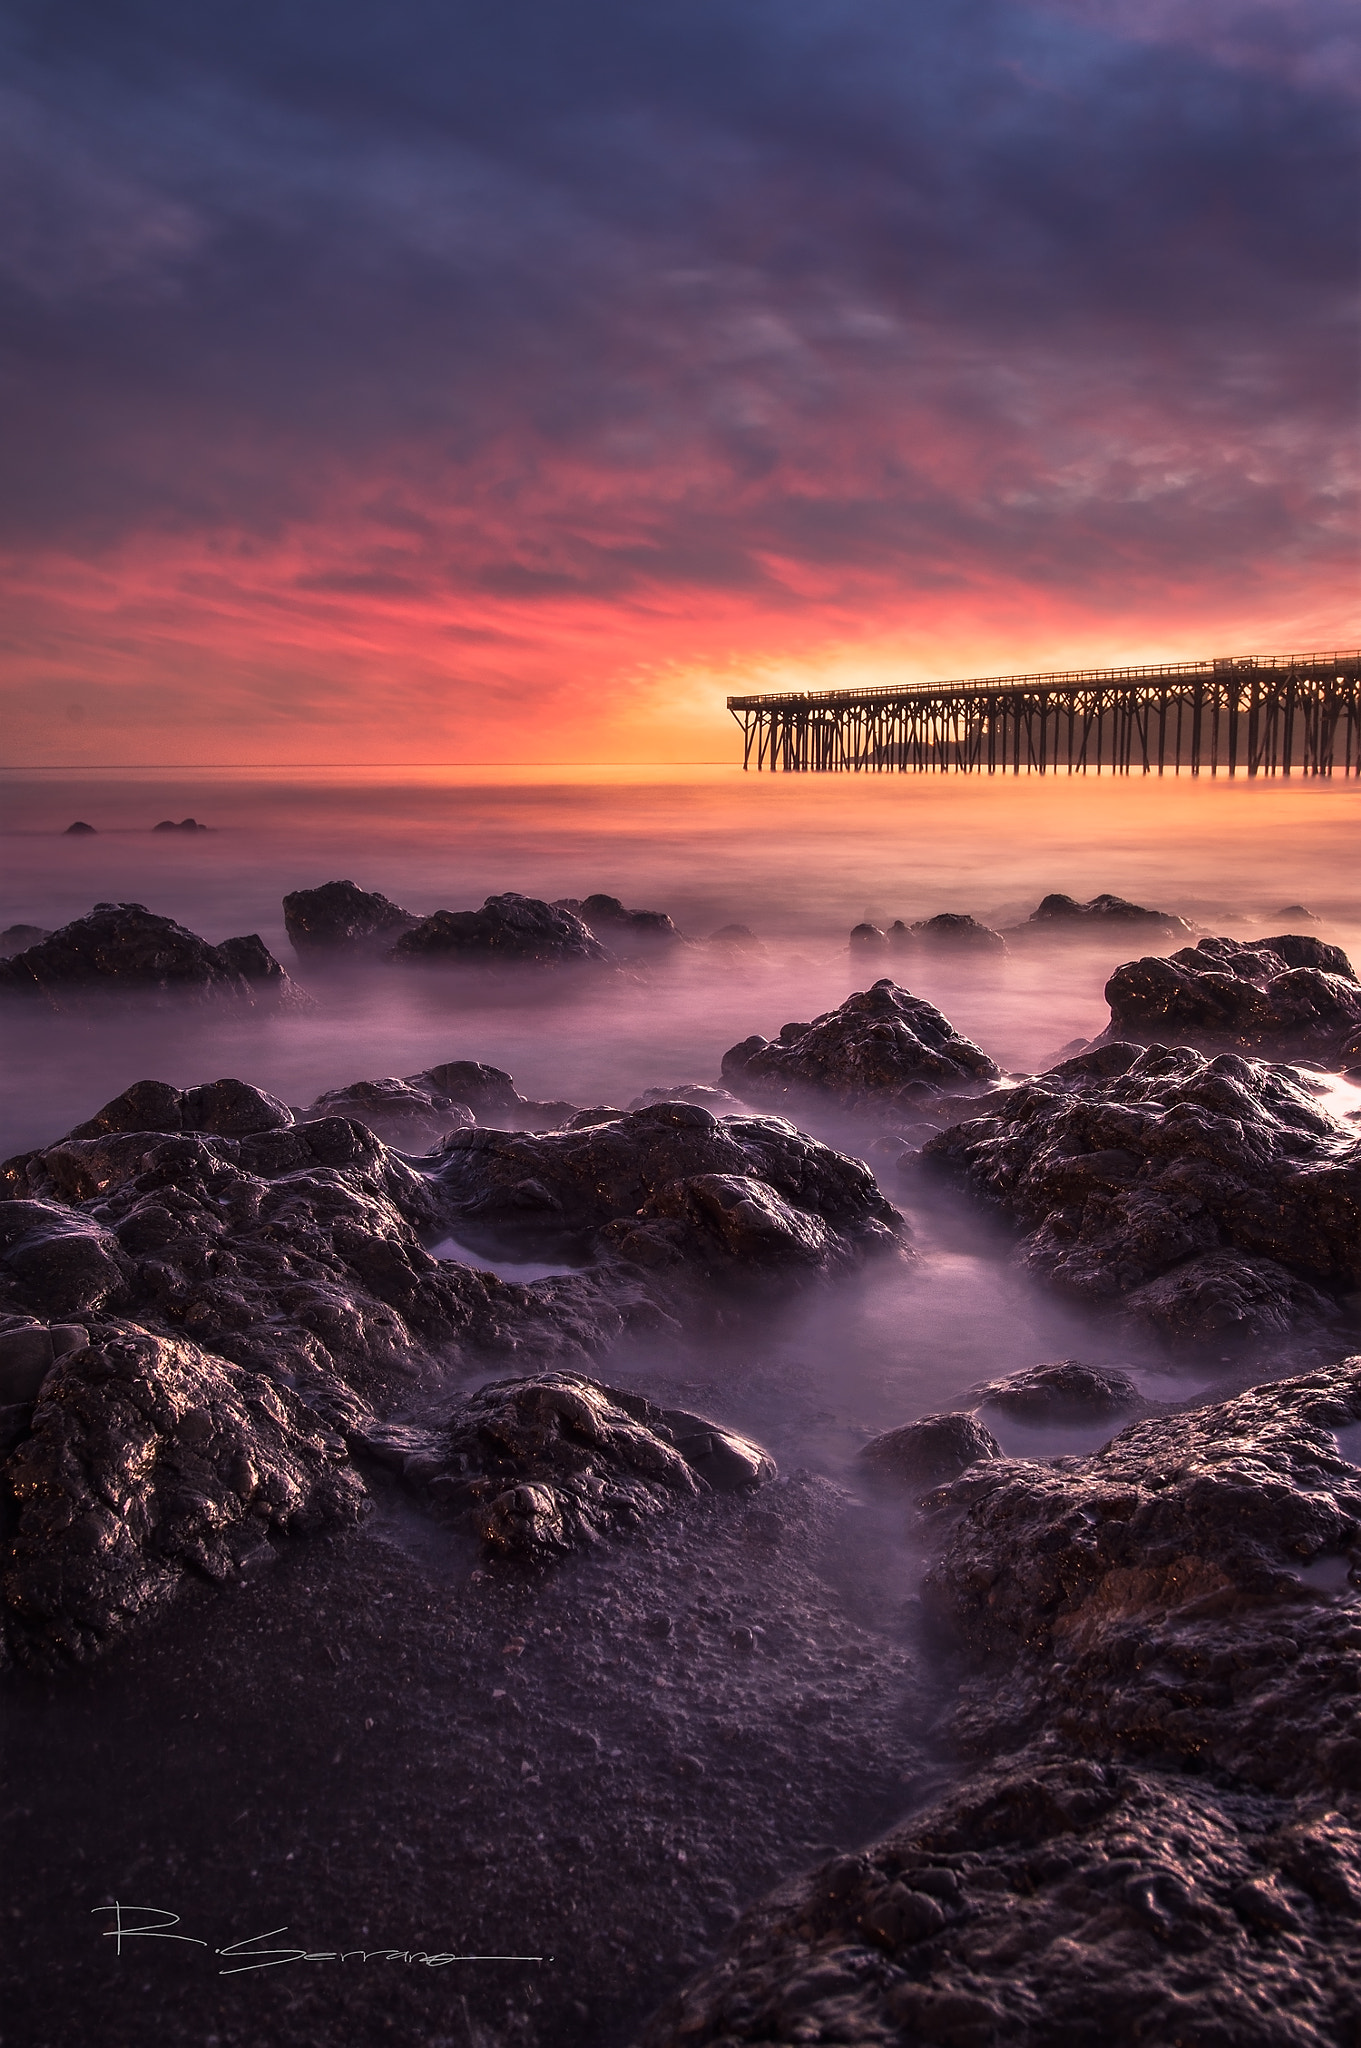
{"points": [[1250, 714]]}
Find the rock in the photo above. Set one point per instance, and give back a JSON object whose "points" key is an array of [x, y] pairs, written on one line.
{"points": [[1052, 1900], [629, 934], [948, 932], [719, 1101], [925, 1453], [670, 1188], [1201, 1196], [507, 929], [1182, 1595], [424, 1108], [1289, 997], [1066, 1391], [184, 825], [880, 1046], [543, 1466], [1296, 910], [29, 1350], [867, 938], [340, 916], [148, 1461], [122, 947], [79, 828], [226, 1109], [740, 938], [17, 938], [1060, 916]]}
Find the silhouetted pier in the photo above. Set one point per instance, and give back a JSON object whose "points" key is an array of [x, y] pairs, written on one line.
{"points": [[1269, 714]]}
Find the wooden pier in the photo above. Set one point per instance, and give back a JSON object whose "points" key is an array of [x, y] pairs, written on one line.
{"points": [[1251, 714]]}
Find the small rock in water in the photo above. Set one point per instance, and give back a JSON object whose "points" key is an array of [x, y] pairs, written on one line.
{"points": [[927, 1453], [125, 946], [880, 1046], [1288, 997], [340, 916], [79, 828], [508, 930], [184, 825], [1066, 1391]]}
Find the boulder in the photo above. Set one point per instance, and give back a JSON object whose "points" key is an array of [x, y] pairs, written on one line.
{"points": [[880, 1046], [1202, 1196], [79, 829], [867, 938], [949, 932], [183, 825], [420, 1111], [225, 1109], [339, 916], [669, 1188], [1066, 1391], [509, 929], [923, 1454], [721, 1101], [17, 938], [1289, 997], [629, 934], [1061, 916], [542, 1466], [126, 948], [150, 1461]]}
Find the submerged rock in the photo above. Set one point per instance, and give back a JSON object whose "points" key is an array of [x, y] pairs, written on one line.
{"points": [[1202, 1196], [543, 1466], [417, 1112], [148, 1461], [1289, 997], [629, 934], [925, 1453], [1061, 916], [1066, 1391], [880, 1046], [124, 947], [949, 932], [340, 916], [508, 928], [182, 825], [79, 829]]}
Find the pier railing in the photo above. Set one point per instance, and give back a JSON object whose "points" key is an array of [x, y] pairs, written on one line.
{"points": [[1254, 714]]}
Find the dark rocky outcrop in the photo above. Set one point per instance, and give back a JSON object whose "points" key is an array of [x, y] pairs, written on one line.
{"points": [[629, 934], [1061, 916], [949, 932], [867, 938], [720, 1100], [508, 929], [1289, 997], [1201, 1196], [79, 829], [669, 1189], [1161, 1841], [126, 948], [149, 1460], [538, 1467], [1065, 1391], [882, 1046], [182, 825], [17, 938], [416, 1112], [924, 1454], [738, 938], [341, 917]]}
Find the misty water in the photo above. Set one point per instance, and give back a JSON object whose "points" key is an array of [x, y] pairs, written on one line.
{"points": [[797, 861]]}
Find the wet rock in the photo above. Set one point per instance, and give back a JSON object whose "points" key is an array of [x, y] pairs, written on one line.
{"points": [[79, 828], [1289, 997], [1066, 1391], [629, 934], [739, 938], [1187, 1595], [184, 825], [670, 1188], [224, 1109], [122, 947], [719, 1101], [1050, 1901], [149, 1461], [29, 1350], [59, 1263], [420, 1111], [1201, 1196], [507, 929], [926, 1453], [340, 916], [867, 938], [880, 1046], [949, 932], [543, 1466], [1060, 916], [17, 938]]}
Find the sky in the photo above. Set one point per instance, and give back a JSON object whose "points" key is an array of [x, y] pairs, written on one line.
{"points": [[425, 381]]}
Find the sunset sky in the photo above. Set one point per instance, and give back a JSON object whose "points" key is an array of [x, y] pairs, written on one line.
{"points": [[425, 381]]}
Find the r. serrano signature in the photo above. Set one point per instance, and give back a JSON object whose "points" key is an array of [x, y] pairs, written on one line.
{"points": [[157, 1923]]}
